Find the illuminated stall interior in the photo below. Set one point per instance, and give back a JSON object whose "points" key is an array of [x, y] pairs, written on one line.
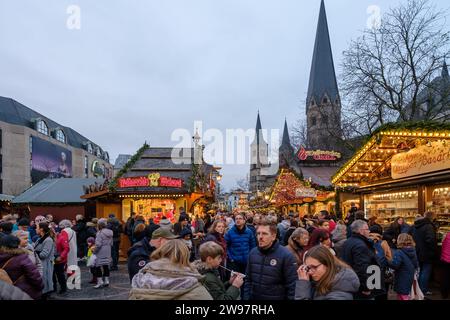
{"points": [[402, 172]]}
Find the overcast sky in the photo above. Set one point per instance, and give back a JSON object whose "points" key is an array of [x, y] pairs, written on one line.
{"points": [[137, 70]]}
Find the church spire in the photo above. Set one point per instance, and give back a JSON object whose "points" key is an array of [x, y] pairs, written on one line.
{"points": [[322, 78], [286, 141]]}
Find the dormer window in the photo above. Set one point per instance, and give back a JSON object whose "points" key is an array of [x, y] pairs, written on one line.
{"points": [[42, 127], [60, 136], [89, 148], [325, 100], [106, 156], [98, 152]]}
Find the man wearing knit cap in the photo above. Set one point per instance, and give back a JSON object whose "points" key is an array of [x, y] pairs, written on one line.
{"points": [[139, 253]]}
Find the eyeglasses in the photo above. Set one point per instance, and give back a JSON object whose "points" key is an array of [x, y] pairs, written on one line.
{"points": [[312, 268]]}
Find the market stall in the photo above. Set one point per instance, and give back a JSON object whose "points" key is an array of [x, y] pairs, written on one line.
{"points": [[402, 170]]}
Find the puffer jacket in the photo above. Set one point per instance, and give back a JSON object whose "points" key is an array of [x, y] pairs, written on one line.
{"points": [[359, 252], [445, 254], [163, 280], [424, 235], [270, 274], [139, 256], [345, 284], [10, 292], [103, 243], [239, 244], [405, 264], [22, 271], [218, 289]]}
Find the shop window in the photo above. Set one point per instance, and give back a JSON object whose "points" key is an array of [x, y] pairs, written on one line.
{"points": [[388, 206], [438, 201], [42, 127]]}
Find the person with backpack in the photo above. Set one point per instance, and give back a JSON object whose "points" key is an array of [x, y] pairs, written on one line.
{"points": [[115, 226], [17, 269]]}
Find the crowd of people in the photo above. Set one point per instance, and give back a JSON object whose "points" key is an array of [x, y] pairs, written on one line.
{"points": [[227, 256]]}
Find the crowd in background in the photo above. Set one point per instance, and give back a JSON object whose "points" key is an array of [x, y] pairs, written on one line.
{"points": [[222, 255]]}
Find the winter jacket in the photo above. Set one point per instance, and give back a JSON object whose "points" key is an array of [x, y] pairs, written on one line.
{"points": [[81, 229], [252, 228], [405, 264], [445, 254], [239, 244], [345, 284], [282, 227], [424, 235], [10, 292], [91, 230], [139, 256], [62, 248], [103, 243], [115, 226], [359, 253], [163, 280], [287, 235], [270, 274], [215, 286], [22, 271], [45, 249]]}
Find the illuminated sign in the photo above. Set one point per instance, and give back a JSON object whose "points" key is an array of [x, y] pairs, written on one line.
{"points": [[152, 180], [318, 155], [305, 193], [427, 158]]}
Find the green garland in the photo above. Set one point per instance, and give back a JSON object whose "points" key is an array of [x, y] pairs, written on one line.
{"points": [[192, 185], [127, 166]]}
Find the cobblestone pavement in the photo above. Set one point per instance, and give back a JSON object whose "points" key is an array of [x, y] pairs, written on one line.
{"points": [[118, 289]]}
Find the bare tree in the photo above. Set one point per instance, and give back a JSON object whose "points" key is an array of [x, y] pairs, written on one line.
{"points": [[386, 69], [243, 183], [298, 133]]}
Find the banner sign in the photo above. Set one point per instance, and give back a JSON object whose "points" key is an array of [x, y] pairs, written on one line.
{"points": [[49, 160], [427, 158], [317, 155], [152, 180], [304, 192]]}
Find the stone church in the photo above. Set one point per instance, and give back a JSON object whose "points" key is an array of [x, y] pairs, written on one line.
{"points": [[323, 114]]}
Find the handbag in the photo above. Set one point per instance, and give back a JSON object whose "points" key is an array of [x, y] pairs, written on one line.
{"points": [[91, 261], [416, 292]]}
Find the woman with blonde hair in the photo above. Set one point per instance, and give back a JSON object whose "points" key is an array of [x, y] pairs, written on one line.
{"points": [[405, 264], [169, 276], [325, 277]]}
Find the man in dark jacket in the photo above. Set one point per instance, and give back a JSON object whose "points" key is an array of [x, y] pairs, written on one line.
{"points": [[424, 235], [240, 240], [139, 253], [359, 252], [116, 227], [151, 227], [271, 270], [129, 226], [81, 230]]}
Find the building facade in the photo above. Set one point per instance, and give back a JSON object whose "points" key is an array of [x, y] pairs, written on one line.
{"points": [[34, 147]]}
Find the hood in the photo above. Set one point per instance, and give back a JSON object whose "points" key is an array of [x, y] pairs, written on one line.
{"points": [[163, 275], [346, 280], [12, 252], [91, 224], [410, 252], [285, 224], [422, 222], [107, 233], [201, 267]]}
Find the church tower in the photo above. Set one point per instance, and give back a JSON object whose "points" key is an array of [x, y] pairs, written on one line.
{"points": [[259, 157], [323, 104]]}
